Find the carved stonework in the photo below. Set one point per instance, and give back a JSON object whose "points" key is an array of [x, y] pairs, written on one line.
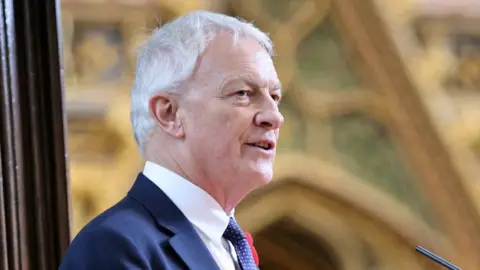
{"points": [[99, 41], [91, 141], [452, 42], [465, 75], [99, 53]]}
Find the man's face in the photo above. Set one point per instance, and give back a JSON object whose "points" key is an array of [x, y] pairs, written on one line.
{"points": [[231, 117]]}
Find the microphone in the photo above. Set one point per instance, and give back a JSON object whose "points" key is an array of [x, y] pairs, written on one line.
{"points": [[436, 258]]}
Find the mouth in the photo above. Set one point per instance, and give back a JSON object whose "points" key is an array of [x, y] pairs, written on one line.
{"points": [[265, 145]]}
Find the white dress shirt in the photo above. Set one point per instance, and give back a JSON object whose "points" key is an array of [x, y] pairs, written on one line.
{"points": [[202, 210]]}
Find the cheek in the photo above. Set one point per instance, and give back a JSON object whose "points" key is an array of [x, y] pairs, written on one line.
{"points": [[226, 139], [218, 129], [228, 124]]}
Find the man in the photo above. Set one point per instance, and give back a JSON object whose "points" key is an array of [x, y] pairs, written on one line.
{"points": [[205, 116]]}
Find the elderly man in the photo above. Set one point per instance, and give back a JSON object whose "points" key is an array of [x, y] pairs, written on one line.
{"points": [[205, 116]]}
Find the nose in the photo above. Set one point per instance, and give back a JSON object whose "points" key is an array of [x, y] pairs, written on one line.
{"points": [[269, 119]]}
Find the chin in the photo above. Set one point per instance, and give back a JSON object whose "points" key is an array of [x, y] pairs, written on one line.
{"points": [[262, 176], [257, 173]]}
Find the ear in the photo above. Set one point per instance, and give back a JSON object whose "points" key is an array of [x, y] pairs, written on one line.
{"points": [[164, 109]]}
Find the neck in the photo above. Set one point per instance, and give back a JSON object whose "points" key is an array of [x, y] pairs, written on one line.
{"points": [[225, 197]]}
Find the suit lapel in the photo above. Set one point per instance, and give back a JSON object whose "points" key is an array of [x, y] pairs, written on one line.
{"points": [[186, 241], [193, 253]]}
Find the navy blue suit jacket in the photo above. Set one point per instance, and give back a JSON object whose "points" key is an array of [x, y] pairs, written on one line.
{"points": [[145, 230]]}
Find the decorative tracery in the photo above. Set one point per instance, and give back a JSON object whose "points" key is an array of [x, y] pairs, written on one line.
{"points": [[328, 102]]}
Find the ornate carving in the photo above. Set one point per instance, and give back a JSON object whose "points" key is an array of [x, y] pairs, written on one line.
{"points": [[323, 63], [466, 74], [92, 141], [104, 159], [99, 53], [288, 32]]}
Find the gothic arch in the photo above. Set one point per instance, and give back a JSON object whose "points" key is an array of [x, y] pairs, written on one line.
{"points": [[342, 211]]}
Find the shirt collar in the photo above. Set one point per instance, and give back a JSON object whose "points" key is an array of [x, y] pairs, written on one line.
{"points": [[201, 209]]}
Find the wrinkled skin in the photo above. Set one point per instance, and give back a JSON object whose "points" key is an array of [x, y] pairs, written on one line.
{"points": [[206, 132]]}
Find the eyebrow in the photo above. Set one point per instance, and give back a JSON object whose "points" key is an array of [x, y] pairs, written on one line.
{"points": [[250, 81]]}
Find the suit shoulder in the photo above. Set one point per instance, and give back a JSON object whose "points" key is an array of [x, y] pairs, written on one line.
{"points": [[104, 248], [128, 217], [124, 235]]}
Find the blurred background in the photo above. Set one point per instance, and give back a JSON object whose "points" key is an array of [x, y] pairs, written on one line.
{"points": [[380, 150]]}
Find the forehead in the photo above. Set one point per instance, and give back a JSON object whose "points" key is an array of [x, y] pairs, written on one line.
{"points": [[246, 59]]}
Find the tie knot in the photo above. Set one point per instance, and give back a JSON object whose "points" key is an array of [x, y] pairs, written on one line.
{"points": [[234, 233]]}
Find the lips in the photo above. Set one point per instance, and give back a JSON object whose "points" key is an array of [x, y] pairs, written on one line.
{"points": [[263, 144]]}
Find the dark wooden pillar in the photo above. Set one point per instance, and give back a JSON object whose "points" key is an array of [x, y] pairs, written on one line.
{"points": [[34, 192]]}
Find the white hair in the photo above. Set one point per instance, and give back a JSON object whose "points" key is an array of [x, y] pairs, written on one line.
{"points": [[170, 54]]}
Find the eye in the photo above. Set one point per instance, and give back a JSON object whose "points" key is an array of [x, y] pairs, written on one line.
{"points": [[242, 93]]}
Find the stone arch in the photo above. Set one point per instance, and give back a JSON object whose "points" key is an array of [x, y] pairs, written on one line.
{"points": [[360, 224], [286, 244]]}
